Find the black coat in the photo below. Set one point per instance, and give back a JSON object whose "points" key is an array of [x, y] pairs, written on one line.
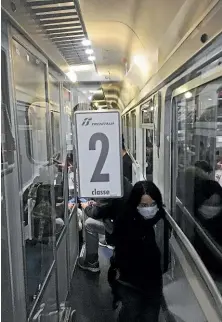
{"points": [[137, 256], [110, 208]]}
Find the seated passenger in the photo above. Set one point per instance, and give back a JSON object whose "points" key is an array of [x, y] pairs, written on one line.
{"points": [[102, 214], [137, 257]]}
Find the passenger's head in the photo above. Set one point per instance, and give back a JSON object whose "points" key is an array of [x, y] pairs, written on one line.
{"points": [[146, 198], [204, 165]]}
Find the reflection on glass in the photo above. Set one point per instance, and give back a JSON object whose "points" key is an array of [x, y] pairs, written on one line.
{"points": [[134, 134], [149, 153], [7, 159], [198, 186], [175, 281], [55, 113], [35, 180], [57, 154], [147, 112], [7, 139], [128, 131], [69, 146]]}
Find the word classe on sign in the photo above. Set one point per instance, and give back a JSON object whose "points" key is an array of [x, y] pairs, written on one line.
{"points": [[98, 136]]}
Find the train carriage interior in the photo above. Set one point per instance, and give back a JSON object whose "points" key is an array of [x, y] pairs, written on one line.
{"points": [[158, 65]]}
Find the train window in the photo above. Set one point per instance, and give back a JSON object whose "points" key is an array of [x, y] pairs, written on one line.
{"points": [[128, 139], [198, 152], [134, 134], [124, 128], [31, 107], [7, 139], [147, 112], [68, 133], [30, 93], [55, 113], [148, 153]]}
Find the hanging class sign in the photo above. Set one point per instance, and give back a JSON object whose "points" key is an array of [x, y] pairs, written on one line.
{"points": [[99, 157]]}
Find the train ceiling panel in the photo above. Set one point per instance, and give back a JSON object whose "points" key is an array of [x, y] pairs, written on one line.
{"points": [[63, 26], [133, 38]]}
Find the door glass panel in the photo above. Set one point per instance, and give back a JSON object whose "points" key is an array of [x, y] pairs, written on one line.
{"points": [[134, 134], [128, 139], [35, 172], [147, 112], [181, 306], [55, 114], [57, 153], [198, 152], [148, 153], [7, 159], [7, 139], [69, 145], [47, 308]]}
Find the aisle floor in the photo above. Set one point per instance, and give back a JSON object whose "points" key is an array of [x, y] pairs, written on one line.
{"points": [[90, 293]]}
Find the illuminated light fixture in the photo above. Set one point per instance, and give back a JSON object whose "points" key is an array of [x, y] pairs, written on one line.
{"points": [[86, 42], [72, 76], [81, 68], [91, 58], [90, 98], [188, 95], [141, 62], [89, 51]]}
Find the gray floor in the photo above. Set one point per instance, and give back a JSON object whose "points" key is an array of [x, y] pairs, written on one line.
{"points": [[90, 293]]}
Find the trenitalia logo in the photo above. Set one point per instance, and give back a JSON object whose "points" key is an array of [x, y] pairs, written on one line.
{"points": [[87, 121]]}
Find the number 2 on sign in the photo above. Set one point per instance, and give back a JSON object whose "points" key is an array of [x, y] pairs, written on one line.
{"points": [[97, 175]]}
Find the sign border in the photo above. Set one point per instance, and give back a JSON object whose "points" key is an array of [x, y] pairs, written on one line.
{"points": [[120, 145]]}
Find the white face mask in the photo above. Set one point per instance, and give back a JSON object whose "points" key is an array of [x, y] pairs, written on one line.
{"points": [[148, 212]]}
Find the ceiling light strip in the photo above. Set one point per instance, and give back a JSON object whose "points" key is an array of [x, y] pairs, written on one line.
{"points": [[74, 22], [52, 6], [40, 2], [48, 12], [68, 15]]}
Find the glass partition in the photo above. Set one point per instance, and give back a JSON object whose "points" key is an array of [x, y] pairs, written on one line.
{"points": [[148, 153], [128, 138], [58, 159], [198, 155], [134, 134], [34, 152]]}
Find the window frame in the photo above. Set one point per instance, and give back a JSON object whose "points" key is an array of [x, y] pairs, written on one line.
{"points": [[6, 101], [133, 116], [194, 84], [29, 48]]}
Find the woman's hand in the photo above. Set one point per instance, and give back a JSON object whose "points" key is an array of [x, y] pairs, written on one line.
{"points": [[84, 205]]}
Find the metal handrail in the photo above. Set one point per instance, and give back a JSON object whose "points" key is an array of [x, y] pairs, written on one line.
{"points": [[136, 165], [197, 260], [214, 247]]}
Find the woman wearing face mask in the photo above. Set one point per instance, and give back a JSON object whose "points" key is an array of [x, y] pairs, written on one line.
{"points": [[137, 257]]}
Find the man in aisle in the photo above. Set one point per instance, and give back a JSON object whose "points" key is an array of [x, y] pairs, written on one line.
{"points": [[127, 163], [101, 218]]}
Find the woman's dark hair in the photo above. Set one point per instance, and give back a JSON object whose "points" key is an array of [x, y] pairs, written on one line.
{"points": [[70, 158], [123, 144], [145, 188], [204, 165]]}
